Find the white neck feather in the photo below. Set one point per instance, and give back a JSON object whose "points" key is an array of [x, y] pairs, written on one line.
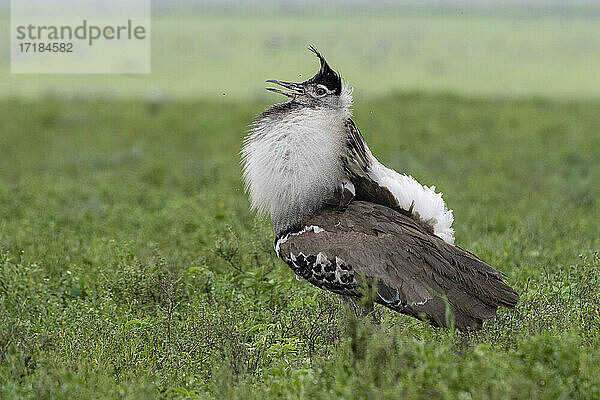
{"points": [[292, 165]]}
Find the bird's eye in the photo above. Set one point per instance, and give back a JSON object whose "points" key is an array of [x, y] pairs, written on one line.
{"points": [[320, 91]]}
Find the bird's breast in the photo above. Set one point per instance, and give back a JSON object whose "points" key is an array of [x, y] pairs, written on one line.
{"points": [[292, 168]]}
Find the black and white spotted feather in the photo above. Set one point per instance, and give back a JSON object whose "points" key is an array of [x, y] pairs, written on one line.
{"points": [[415, 272]]}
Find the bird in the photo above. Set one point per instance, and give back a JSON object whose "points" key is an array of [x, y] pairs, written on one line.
{"points": [[344, 222]]}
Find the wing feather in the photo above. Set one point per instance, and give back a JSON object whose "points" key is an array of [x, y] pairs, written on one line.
{"points": [[376, 183], [417, 272]]}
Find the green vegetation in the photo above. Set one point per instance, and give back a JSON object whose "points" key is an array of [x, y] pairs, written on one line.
{"points": [[131, 267], [212, 56]]}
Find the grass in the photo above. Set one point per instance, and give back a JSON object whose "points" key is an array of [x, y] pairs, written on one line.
{"points": [[131, 267], [214, 56]]}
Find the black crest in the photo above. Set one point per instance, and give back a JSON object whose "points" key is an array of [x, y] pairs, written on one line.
{"points": [[326, 76]]}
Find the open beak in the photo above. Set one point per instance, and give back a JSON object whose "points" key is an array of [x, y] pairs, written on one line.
{"points": [[295, 88]]}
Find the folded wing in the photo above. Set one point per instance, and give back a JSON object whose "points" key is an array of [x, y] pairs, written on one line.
{"points": [[376, 183], [415, 272]]}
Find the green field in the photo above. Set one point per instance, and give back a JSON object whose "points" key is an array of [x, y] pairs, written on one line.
{"points": [[131, 267], [196, 55]]}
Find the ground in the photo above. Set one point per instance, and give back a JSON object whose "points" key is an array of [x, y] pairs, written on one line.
{"points": [[131, 266]]}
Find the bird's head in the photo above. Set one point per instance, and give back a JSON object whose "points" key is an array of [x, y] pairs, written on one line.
{"points": [[325, 89]]}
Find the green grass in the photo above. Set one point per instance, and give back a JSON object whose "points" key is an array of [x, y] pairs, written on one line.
{"points": [[200, 55], [131, 267]]}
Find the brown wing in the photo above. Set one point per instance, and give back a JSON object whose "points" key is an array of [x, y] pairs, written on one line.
{"points": [[417, 273], [356, 163]]}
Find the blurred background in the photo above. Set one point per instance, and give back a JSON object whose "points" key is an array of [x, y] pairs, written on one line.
{"points": [[214, 48]]}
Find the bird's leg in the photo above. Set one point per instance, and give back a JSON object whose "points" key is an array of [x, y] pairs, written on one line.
{"points": [[354, 306], [368, 310], [359, 309]]}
